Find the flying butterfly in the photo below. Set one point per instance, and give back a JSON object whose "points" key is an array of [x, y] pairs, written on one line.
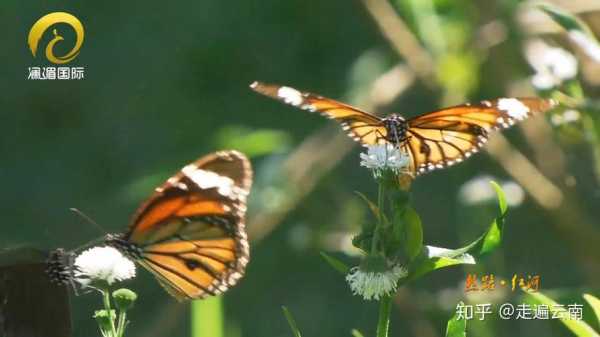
{"points": [[190, 233], [432, 140]]}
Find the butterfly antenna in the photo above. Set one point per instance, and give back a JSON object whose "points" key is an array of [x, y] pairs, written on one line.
{"points": [[88, 219]]}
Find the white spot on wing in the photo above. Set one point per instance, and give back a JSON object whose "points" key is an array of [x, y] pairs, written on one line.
{"points": [[290, 96], [208, 179], [513, 107]]}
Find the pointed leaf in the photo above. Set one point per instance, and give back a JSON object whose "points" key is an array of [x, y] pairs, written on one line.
{"points": [[356, 333], [492, 238], [335, 263], [594, 303], [579, 328], [578, 31], [291, 322], [457, 327], [432, 258], [374, 209]]}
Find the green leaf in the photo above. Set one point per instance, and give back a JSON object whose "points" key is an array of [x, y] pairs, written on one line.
{"points": [[563, 18], [492, 238], [457, 327], [374, 209], [432, 258], [594, 303], [579, 328], [578, 31], [501, 197], [291, 322], [356, 333], [407, 232], [335, 263]]}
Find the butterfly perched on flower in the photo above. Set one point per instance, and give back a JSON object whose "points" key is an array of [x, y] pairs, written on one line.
{"points": [[432, 140], [190, 233]]}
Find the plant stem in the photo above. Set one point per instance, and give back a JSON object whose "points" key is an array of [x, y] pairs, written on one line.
{"points": [[121, 324], [385, 308], [106, 300], [380, 206]]}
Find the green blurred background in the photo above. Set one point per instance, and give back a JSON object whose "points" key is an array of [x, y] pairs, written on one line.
{"points": [[168, 82]]}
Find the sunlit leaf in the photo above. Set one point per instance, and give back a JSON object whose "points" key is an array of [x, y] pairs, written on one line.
{"points": [[432, 258], [457, 326], [335, 263], [579, 328], [291, 322], [492, 238], [577, 30], [594, 303], [356, 333]]}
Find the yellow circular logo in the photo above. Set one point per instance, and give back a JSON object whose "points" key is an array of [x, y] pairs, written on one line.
{"points": [[45, 22]]}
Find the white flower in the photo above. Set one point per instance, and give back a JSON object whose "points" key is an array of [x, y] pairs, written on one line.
{"points": [[586, 43], [103, 264], [552, 65], [374, 285], [383, 157]]}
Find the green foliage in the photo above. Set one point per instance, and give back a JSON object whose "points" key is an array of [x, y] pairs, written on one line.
{"points": [[335, 263], [291, 322], [406, 232], [579, 32], [356, 333], [457, 326], [433, 258], [594, 302], [577, 327], [566, 20]]}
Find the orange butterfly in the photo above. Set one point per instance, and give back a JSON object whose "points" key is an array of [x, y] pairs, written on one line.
{"points": [[433, 140], [190, 233]]}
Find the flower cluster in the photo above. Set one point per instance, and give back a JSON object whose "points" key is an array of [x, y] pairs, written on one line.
{"points": [[385, 157], [374, 284], [102, 264]]}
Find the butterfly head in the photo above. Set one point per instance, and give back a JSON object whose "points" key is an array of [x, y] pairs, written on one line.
{"points": [[396, 127]]}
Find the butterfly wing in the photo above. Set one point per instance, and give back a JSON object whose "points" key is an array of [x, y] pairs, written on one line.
{"points": [[442, 138], [361, 126], [190, 234]]}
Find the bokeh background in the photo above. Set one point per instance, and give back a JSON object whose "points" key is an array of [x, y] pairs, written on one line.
{"points": [[168, 82]]}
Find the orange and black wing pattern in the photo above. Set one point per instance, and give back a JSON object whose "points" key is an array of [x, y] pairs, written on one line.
{"points": [[442, 138], [190, 233], [361, 126]]}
